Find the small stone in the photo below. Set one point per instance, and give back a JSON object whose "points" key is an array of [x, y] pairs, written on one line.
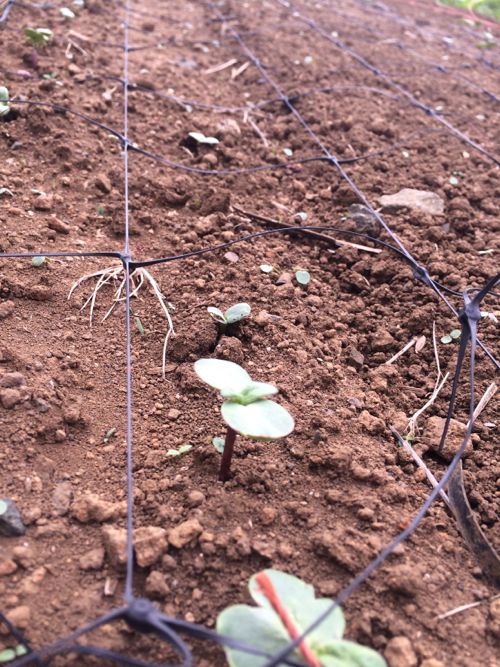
{"points": [[156, 586], [12, 380], [268, 515], [43, 203], [371, 423], [366, 514], [231, 349], [399, 653], [6, 309], [11, 523], [416, 200], [150, 542], [195, 498], [72, 414], [103, 183], [314, 300], [355, 358], [173, 414], [231, 257], [404, 579], [7, 566], [494, 620], [92, 560], [381, 341], [92, 507], [10, 397], [60, 435], [59, 226], [115, 544], [20, 617], [184, 533], [61, 498], [432, 662], [23, 555], [434, 427]]}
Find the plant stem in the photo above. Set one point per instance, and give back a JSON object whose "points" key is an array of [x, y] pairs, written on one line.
{"points": [[227, 455]]}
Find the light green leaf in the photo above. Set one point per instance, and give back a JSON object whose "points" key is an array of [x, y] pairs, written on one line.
{"points": [[21, 650], [288, 152], [266, 268], [219, 444], [261, 420], [4, 94], [202, 139], [237, 312], [4, 109], [217, 314], [303, 277], [7, 655], [38, 261], [67, 13], [446, 339], [3, 507], [139, 326], [38, 36], [222, 374], [456, 333], [251, 393], [344, 653]]}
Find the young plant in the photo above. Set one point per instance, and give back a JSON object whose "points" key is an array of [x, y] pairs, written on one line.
{"points": [[246, 410], [286, 607], [4, 101], [232, 315], [38, 36]]}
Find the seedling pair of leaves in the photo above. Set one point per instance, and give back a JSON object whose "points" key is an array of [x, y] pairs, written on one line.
{"points": [[286, 608], [4, 101], [246, 410], [38, 37], [232, 315]]}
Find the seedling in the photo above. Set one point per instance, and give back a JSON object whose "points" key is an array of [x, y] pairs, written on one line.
{"points": [[183, 449], [4, 102], [286, 607], [453, 335], [232, 315], [138, 277], [266, 268], [302, 277], [9, 654], [38, 36], [246, 408]]}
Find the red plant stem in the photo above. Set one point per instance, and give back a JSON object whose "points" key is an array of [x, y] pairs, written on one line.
{"points": [[227, 455], [270, 593]]}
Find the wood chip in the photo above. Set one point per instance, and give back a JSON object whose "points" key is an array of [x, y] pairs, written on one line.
{"points": [[222, 66]]}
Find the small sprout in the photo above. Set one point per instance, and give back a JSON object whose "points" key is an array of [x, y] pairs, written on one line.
{"points": [[202, 139], [38, 36], [4, 102], [453, 180], [308, 60], [286, 607], [288, 152], [453, 335], [446, 339], [302, 277], [138, 325], [66, 13], [266, 268], [232, 315], [109, 434], [219, 444], [38, 261], [183, 449], [456, 333], [9, 654], [5, 191], [247, 409], [101, 210]]}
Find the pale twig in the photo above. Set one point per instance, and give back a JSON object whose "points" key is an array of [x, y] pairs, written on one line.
{"points": [[235, 72], [485, 399], [411, 343], [222, 66], [465, 607], [375, 251], [248, 119], [438, 385]]}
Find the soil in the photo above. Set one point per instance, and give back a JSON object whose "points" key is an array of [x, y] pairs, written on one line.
{"points": [[323, 502]]}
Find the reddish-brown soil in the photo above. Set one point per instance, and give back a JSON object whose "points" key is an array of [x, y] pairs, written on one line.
{"points": [[323, 502]]}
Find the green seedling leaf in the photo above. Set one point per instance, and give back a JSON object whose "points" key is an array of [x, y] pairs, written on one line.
{"points": [[202, 139], [285, 602], [7, 655], [3, 507], [456, 333], [101, 210], [254, 391], [219, 443], [288, 152], [260, 420], [221, 374], [237, 312], [302, 277], [38, 261], [266, 268], [38, 36], [179, 451], [446, 339], [5, 191], [4, 101], [66, 13], [109, 434], [139, 326], [453, 180], [21, 650], [217, 314]]}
